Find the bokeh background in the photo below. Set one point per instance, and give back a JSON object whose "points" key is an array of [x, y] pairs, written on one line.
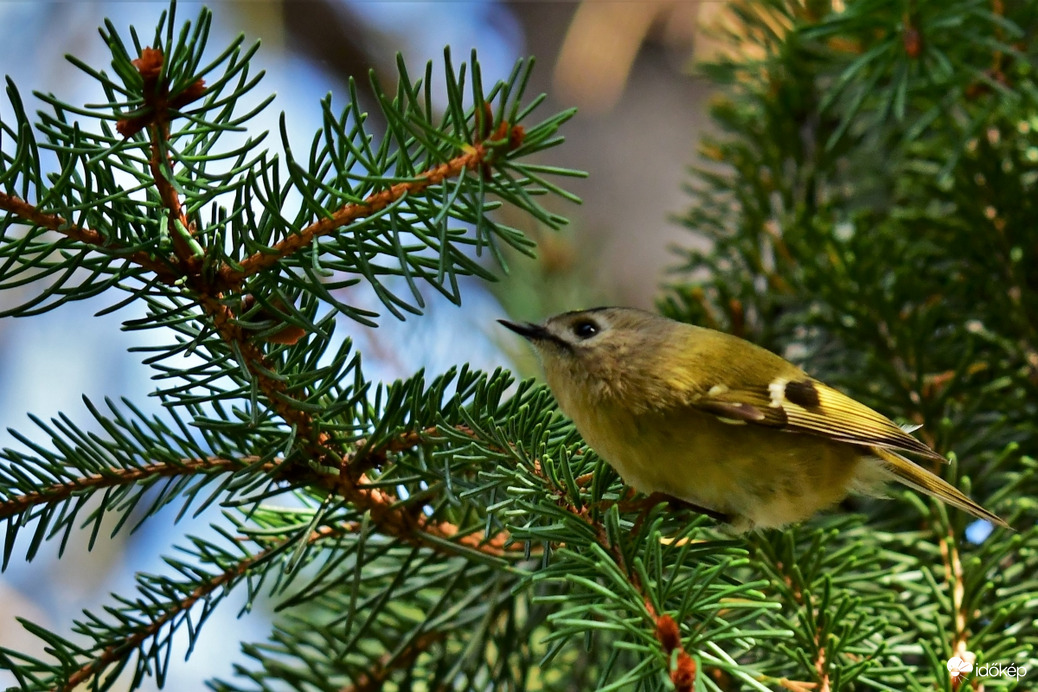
{"points": [[627, 66]]}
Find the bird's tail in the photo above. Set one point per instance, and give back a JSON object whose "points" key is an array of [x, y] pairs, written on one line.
{"points": [[918, 478]]}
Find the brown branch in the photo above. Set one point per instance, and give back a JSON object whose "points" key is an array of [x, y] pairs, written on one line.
{"points": [[822, 665], [388, 513], [383, 513], [155, 116], [386, 509], [273, 388], [365, 459], [157, 99], [124, 476], [31, 214], [170, 199], [114, 652], [668, 634], [348, 213], [393, 517], [953, 573]]}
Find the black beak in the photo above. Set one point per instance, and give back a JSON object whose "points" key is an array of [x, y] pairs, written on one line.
{"points": [[536, 333], [528, 330]]}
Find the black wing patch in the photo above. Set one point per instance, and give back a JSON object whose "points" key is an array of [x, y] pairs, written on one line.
{"points": [[803, 393]]}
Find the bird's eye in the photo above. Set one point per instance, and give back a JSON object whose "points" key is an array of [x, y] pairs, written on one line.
{"points": [[585, 329]]}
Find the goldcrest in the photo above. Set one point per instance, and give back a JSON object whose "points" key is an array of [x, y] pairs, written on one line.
{"points": [[715, 421]]}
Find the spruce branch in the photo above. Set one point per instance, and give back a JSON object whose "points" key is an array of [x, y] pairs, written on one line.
{"points": [[119, 468], [115, 477], [212, 243], [25, 212], [113, 645], [476, 156], [680, 666], [158, 102], [115, 652], [954, 577]]}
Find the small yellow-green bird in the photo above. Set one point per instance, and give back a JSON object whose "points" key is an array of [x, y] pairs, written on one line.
{"points": [[713, 420]]}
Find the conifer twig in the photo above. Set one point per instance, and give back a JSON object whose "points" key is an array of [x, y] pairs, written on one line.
{"points": [[822, 665], [115, 477], [194, 275], [386, 510], [223, 580], [953, 573], [156, 118], [473, 159], [54, 222], [666, 630]]}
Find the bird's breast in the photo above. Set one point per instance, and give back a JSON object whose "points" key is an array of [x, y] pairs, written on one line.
{"points": [[761, 476]]}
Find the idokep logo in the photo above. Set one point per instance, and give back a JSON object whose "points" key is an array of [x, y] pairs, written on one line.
{"points": [[958, 668]]}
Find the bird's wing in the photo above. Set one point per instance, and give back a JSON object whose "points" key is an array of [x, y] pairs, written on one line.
{"points": [[916, 477], [808, 406]]}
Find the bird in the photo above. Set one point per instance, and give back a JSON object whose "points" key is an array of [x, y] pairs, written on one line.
{"points": [[719, 423]]}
